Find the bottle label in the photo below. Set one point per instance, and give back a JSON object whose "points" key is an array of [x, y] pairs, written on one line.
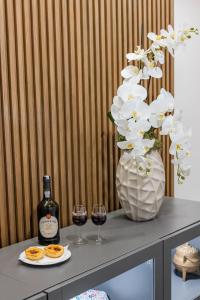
{"points": [[48, 226], [47, 194]]}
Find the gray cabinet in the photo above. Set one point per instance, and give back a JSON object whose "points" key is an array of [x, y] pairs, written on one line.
{"points": [[150, 254], [134, 262]]}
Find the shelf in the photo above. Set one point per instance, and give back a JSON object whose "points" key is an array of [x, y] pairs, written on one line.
{"points": [[136, 283], [189, 289]]}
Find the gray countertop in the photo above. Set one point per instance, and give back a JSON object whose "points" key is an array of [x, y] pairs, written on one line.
{"points": [[121, 237], [13, 289]]}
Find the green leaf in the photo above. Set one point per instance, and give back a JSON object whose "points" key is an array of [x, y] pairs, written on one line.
{"points": [[157, 144], [109, 115], [121, 138]]}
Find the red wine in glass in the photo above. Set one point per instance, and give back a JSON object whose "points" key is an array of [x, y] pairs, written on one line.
{"points": [[79, 220], [79, 217], [99, 218]]}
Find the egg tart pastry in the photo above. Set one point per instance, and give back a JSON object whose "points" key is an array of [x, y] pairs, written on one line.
{"points": [[34, 253], [54, 251]]}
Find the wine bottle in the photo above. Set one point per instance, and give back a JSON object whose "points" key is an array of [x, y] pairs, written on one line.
{"points": [[48, 216]]}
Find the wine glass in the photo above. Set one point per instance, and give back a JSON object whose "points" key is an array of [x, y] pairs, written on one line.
{"points": [[79, 217], [99, 218]]}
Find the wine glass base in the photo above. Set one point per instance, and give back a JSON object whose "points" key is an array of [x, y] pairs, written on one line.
{"points": [[99, 241], [80, 242]]}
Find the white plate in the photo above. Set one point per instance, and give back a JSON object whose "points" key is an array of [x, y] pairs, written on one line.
{"points": [[46, 261]]}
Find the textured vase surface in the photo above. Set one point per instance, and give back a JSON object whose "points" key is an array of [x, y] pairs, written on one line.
{"points": [[141, 196]]}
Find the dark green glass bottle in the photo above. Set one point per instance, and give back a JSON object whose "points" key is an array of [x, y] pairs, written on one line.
{"points": [[48, 216]]}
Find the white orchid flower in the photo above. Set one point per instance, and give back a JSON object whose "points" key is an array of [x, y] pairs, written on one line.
{"points": [[170, 33], [150, 69], [157, 39], [138, 54], [135, 109], [183, 170], [127, 145], [123, 127], [137, 147], [129, 71], [128, 92], [131, 74], [181, 133], [171, 39], [131, 128], [168, 125], [182, 152], [182, 156], [159, 56], [181, 149], [167, 99], [159, 107], [157, 118], [137, 129], [171, 123], [145, 74], [116, 107], [155, 72], [147, 145], [180, 143]]}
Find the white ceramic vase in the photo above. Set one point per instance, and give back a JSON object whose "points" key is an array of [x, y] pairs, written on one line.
{"points": [[141, 196]]}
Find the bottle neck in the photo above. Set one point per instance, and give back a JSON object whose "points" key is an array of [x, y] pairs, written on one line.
{"points": [[47, 194], [47, 186]]}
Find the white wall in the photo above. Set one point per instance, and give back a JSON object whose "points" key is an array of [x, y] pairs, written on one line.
{"points": [[187, 91]]}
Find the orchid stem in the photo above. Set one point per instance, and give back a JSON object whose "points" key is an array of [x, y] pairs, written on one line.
{"points": [[149, 85], [142, 37]]}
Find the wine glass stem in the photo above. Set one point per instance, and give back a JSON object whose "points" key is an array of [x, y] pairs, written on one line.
{"points": [[98, 234], [80, 234]]}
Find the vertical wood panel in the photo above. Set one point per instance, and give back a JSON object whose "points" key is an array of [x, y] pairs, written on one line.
{"points": [[104, 105], [98, 99], [61, 112], [23, 113], [7, 125], [31, 111], [45, 98], [87, 105], [109, 101], [53, 97], [4, 235], [13, 89], [73, 98], [69, 198], [38, 93], [60, 64]]}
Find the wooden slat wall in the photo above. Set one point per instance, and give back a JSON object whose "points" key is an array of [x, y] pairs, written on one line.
{"points": [[60, 63]]}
